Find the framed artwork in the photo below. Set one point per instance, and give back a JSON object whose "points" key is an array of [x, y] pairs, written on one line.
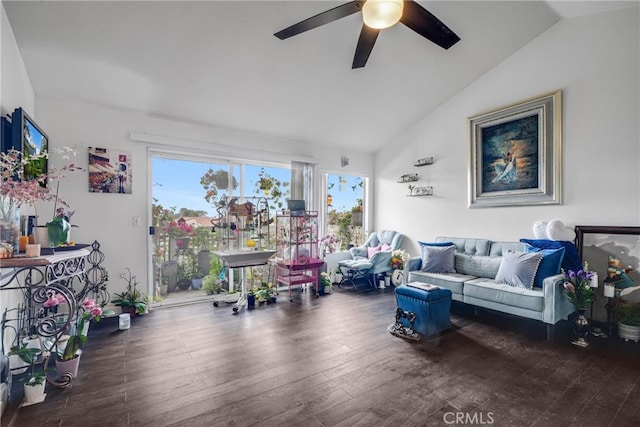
{"points": [[614, 254], [109, 170], [515, 154]]}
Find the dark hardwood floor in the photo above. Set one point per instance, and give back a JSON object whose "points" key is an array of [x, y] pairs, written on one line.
{"points": [[331, 362]]}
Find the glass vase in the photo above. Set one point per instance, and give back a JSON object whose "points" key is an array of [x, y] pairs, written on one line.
{"points": [[581, 329], [9, 229]]}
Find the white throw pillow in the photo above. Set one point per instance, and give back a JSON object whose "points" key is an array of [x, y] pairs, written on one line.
{"points": [[518, 269]]}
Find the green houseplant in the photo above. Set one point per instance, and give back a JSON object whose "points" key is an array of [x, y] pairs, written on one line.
{"points": [[184, 274], [627, 314], [35, 380], [131, 300], [326, 283]]}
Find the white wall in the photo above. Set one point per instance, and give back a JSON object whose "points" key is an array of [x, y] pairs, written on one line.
{"points": [[15, 90], [595, 61], [15, 87], [107, 218]]}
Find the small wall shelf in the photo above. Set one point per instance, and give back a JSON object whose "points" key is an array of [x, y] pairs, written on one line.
{"points": [[421, 191], [410, 177], [423, 162]]}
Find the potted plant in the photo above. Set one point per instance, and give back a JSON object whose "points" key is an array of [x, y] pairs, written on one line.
{"points": [[577, 287], [35, 380], [251, 299], [68, 358], [211, 284], [326, 286], [131, 300], [184, 275], [196, 273], [628, 316], [265, 293]]}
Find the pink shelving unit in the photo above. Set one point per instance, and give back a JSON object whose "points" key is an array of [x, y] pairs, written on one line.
{"points": [[297, 249]]}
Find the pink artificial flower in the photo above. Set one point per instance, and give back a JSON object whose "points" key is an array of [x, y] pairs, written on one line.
{"points": [[52, 301], [569, 287], [96, 311], [61, 299], [88, 304]]}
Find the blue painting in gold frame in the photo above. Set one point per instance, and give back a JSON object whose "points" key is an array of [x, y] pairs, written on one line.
{"points": [[515, 154]]}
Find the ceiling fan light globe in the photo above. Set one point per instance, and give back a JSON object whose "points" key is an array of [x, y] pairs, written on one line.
{"points": [[380, 14]]}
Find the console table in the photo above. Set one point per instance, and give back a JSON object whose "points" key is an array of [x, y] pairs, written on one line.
{"points": [[37, 279]]}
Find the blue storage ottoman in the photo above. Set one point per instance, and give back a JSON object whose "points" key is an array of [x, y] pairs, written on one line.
{"points": [[431, 308]]}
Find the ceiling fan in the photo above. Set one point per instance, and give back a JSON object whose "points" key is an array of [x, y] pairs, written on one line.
{"points": [[377, 15]]}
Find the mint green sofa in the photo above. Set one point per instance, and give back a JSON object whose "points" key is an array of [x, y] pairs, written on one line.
{"points": [[476, 263]]}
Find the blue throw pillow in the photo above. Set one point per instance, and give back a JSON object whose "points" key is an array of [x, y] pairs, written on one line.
{"points": [[435, 244], [518, 269], [550, 264], [571, 260]]}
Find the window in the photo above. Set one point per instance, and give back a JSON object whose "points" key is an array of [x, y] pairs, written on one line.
{"points": [[345, 208]]}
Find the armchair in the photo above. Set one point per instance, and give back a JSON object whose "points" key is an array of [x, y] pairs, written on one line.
{"points": [[372, 257], [377, 249]]}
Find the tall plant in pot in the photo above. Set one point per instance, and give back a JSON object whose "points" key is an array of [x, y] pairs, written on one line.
{"points": [[68, 358], [131, 300]]}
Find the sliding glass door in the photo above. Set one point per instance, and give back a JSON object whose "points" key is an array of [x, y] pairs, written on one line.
{"points": [[189, 199]]}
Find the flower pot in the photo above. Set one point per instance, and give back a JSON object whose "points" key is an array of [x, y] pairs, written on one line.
{"points": [[68, 366], [9, 229], [251, 302], [129, 309], [629, 332], [327, 290], [196, 283], [34, 393], [58, 230], [182, 242], [184, 284]]}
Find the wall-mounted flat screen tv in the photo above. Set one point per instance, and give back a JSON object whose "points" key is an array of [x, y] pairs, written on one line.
{"points": [[28, 137]]}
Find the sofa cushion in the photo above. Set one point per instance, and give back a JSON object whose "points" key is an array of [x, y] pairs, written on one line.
{"points": [[489, 290], [356, 264], [501, 248], [453, 282], [571, 260], [477, 265], [518, 269], [468, 246], [549, 265], [438, 259]]}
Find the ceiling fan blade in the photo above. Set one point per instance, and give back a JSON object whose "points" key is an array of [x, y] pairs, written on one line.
{"points": [[320, 19], [366, 41], [427, 25]]}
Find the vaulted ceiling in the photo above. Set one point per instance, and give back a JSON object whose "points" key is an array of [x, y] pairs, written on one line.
{"points": [[217, 62]]}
